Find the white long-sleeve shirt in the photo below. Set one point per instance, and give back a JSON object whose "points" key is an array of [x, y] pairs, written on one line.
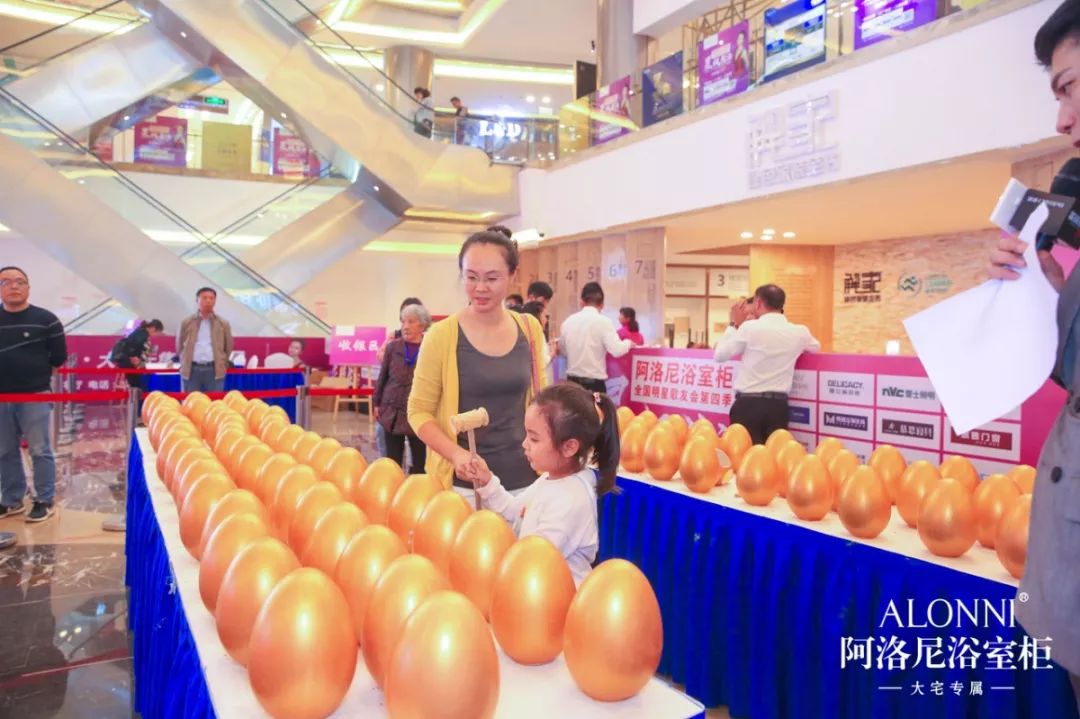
{"points": [[587, 338], [770, 346], [562, 511]]}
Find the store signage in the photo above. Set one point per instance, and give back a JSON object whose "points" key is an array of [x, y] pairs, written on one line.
{"points": [[729, 282], [790, 144], [794, 37], [504, 129], [877, 20], [350, 345], [862, 287], [996, 440], [837, 420], [802, 415], [724, 63], [804, 385], [226, 147], [688, 383], [685, 281], [662, 89]]}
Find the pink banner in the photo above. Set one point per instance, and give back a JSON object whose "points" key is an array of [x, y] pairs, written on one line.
{"points": [[864, 400], [293, 157], [94, 350], [161, 141], [356, 345]]}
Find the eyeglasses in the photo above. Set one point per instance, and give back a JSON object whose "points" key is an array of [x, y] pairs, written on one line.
{"points": [[486, 281], [14, 283]]}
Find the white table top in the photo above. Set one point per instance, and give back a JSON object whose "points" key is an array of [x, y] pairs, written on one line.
{"points": [[541, 692], [897, 537]]}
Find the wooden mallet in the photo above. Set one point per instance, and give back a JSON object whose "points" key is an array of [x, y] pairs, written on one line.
{"points": [[468, 422]]}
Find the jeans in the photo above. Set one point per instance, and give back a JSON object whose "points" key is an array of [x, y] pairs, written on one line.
{"points": [[29, 420], [380, 439], [202, 380]]}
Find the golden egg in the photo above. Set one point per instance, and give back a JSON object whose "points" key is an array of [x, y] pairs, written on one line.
{"points": [[890, 466], [632, 447], [662, 452], [757, 477], [1011, 541], [962, 470], [1024, 476], [993, 498], [919, 478], [810, 491], [946, 520], [700, 467], [864, 505]]}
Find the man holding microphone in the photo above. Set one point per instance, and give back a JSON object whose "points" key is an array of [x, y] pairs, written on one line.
{"points": [[1051, 582]]}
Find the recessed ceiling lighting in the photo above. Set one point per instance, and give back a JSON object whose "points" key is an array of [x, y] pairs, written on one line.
{"points": [[530, 98], [127, 117], [380, 87], [768, 231], [766, 238], [546, 100], [747, 235], [284, 115], [789, 235], [183, 34], [375, 187]]}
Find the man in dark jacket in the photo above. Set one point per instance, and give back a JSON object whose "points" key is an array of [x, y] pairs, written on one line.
{"points": [[32, 345]]}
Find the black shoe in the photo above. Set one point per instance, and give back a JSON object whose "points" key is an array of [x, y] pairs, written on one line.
{"points": [[40, 512], [7, 539], [12, 511]]}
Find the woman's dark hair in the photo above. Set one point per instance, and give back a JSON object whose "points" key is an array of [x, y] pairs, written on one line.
{"points": [[422, 92], [570, 411], [156, 324], [501, 230], [631, 314], [498, 239]]}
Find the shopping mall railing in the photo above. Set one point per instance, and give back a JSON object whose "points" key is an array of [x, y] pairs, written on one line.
{"points": [[202, 251]]}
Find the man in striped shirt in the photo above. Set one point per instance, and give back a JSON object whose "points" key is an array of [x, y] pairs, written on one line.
{"points": [[32, 345]]}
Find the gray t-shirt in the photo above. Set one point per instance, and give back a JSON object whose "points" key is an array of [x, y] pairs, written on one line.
{"points": [[500, 385]]}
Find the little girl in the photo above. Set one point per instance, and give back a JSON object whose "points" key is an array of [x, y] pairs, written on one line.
{"points": [[565, 427]]}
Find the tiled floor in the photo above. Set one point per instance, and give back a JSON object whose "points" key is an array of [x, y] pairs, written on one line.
{"points": [[64, 647]]}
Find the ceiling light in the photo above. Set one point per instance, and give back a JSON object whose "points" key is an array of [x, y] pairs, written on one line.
{"points": [[546, 100], [380, 87], [766, 238], [530, 98], [457, 38], [747, 235], [789, 235], [375, 187], [768, 231], [283, 115], [127, 117], [183, 34], [56, 15]]}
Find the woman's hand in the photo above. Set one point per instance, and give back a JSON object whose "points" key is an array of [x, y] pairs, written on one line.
{"points": [[376, 414], [462, 461]]}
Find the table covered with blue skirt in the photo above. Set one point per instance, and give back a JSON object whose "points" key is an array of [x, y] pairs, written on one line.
{"points": [[245, 381], [182, 670], [778, 618]]}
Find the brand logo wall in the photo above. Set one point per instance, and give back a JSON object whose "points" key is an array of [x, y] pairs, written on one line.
{"points": [[789, 144], [900, 392], [798, 414], [910, 284], [933, 284], [846, 388]]}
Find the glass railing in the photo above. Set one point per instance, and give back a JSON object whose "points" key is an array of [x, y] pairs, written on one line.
{"points": [[78, 24], [735, 50], [505, 140], [108, 317], [203, 251]]}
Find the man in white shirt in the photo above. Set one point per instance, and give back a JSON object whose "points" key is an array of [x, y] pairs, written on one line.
{"points": [[769, 346], [587, 339]]}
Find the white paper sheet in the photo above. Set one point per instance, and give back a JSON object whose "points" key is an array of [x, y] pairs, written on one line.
{"points": [[988, 349]]}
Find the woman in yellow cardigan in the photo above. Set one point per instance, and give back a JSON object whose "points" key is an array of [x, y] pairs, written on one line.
{"points": [[484, 356]]}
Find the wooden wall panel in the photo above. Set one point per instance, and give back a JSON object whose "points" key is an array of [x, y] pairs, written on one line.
{"points": [[806, 275]]}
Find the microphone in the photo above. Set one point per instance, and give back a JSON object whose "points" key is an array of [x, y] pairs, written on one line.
{"points": [[1017, 203], [1065, 184]]}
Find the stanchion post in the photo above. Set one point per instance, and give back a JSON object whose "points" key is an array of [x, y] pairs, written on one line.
{"points": [[303, 406], [55, 386], [118, 522]]}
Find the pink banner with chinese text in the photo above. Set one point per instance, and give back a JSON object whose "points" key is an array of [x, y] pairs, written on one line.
{"points": [[864, 400], [356, 345]]}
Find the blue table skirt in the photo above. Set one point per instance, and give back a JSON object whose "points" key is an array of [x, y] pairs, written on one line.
{"points": [[169, 681], [755, 611], [246, 382]]}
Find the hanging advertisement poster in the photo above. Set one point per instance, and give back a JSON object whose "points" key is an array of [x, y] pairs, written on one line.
{"points": [[877, 20], [662, 89], [161, 141], [613, 106], [724, 64], [292, 156], [794, 37]]}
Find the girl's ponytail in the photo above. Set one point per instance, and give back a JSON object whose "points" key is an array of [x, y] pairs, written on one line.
{"points": [[606, 451]]}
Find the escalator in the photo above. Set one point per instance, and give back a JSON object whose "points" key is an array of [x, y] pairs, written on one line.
{"points": [[264, 48], [98, 222]]}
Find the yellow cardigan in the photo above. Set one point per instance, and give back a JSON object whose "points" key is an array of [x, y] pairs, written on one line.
{"points": [[436, 384]]}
